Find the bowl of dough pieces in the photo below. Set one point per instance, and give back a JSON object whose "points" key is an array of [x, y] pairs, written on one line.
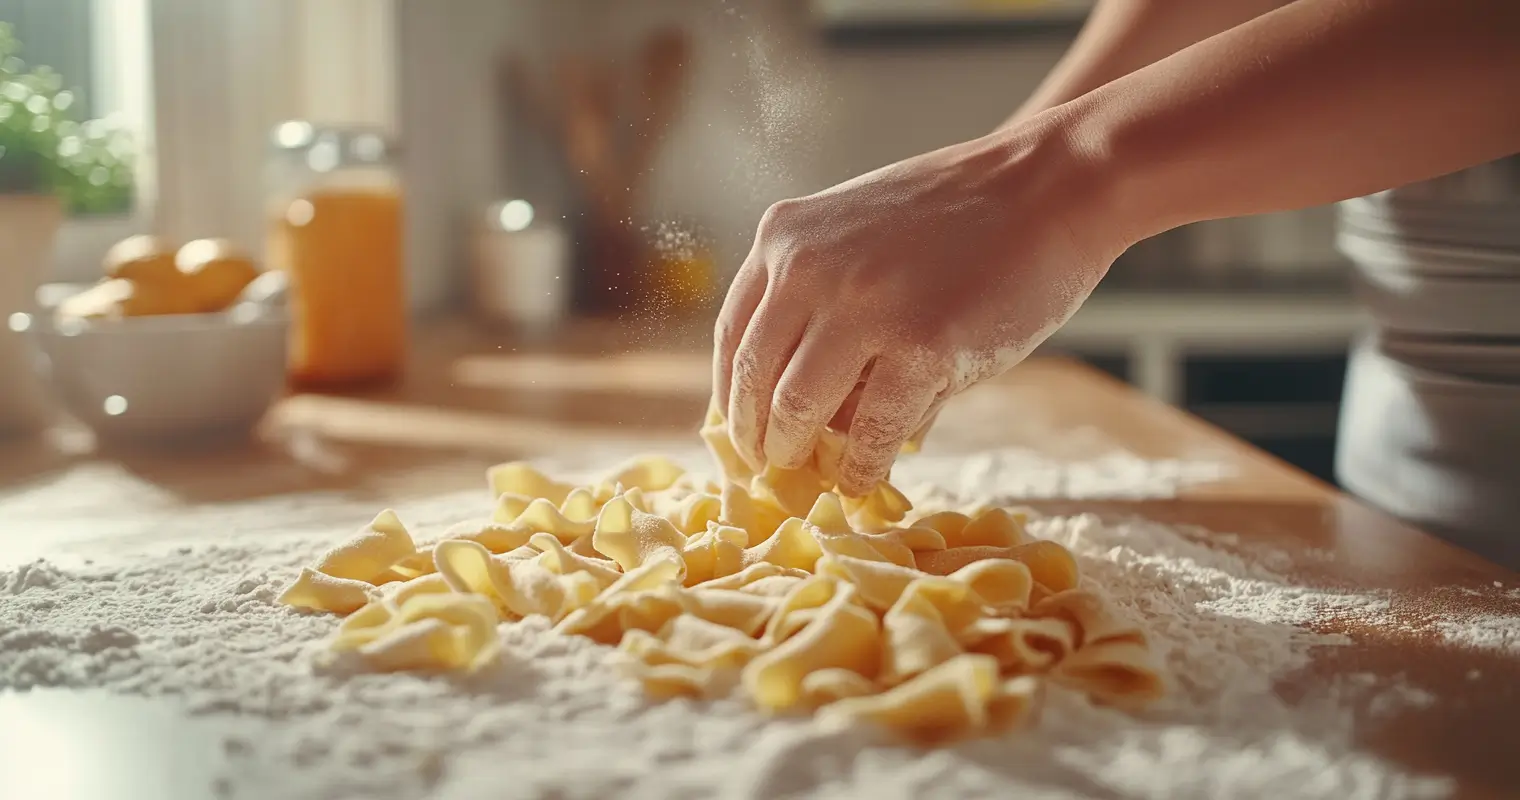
{"points": [[173, 346]]}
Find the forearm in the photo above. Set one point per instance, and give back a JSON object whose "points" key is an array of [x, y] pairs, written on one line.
{"points": [[1315, 102], [1121, 36]]}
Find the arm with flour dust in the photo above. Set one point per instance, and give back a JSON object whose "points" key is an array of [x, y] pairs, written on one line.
{"points": [[928, 275]]}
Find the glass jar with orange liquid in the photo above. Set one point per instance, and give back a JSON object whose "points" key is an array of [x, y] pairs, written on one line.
{"points": [[335, 214]]}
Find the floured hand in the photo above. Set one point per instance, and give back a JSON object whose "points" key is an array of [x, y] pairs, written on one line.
{"points": [[871, 303]]}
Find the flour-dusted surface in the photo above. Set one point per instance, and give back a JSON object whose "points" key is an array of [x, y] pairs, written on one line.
{"points": [[196, 622]]}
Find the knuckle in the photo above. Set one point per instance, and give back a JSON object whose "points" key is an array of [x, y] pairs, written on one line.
{"points": [[873, 435], [726, 330], [746, 368], [776, 214], [793, 407]]}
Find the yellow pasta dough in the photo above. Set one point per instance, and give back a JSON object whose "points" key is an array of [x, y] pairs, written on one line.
{"points": [[771, 585], [322, 592]]}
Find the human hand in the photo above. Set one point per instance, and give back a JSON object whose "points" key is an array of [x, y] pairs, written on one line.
{"points": [[900, 288]]}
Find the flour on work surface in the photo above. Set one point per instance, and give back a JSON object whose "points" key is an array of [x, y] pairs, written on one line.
{"points": [[198, 622], [1490, 632]]}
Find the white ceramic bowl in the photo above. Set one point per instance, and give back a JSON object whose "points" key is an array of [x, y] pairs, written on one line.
{"points": [[1425, 289], [166, 380], [1432, 448]]}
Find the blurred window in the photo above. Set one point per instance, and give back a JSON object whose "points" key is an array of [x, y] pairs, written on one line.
{"points": [[90, 61]]}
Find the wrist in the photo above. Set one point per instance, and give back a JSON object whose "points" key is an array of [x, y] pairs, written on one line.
{"points": [[1133, 159], [1074, 178]]}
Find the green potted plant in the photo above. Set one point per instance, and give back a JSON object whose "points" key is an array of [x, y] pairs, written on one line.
{"points": [[50, 164]]}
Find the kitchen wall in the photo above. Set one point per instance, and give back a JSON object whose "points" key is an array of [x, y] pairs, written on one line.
{"points": [[772, 111]]}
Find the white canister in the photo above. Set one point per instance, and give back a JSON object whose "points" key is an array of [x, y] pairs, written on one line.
{"points": [[28, 224], [521, 268]]}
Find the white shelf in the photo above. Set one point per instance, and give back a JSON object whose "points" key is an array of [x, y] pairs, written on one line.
{"points": [[1157, 332], [939, 12]]}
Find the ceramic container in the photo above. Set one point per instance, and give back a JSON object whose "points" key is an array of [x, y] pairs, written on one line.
{"points": [[28, 225], [171, 380]]}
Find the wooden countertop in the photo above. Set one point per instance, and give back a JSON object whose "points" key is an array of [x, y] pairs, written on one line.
{"points": [[470, 401]]}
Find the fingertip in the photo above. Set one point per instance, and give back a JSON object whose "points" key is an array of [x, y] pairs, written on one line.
{"points": [[858, 481], [783, 451], [742, 429], [739, 306]]}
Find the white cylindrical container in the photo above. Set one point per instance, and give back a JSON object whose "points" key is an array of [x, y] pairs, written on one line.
{"points": [[1435, 449], [521, 269], [27, 227]]}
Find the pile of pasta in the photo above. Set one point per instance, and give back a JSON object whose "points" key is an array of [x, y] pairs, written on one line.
{"points": [[770, 584]]}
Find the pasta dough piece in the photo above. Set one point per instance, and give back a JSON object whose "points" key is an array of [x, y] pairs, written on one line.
{"points": [[880, 582], [844, 635], [792, 545], [1002, 584], [365, 625], [759, 518], [581, 505], [947, 702], [882, 507], [427, 644], [630, 537], [560, 561], [693, 513], [676, 680], [752, 574], [523, 479], [829, 685], [1050, 565], [794, 491], [413, 566], [490, 534], [648, 473], [742, 611], [923, 627], [399, 593], [321, 592], [542, 516], [1020, 645], [1093, 620], [714, 553], [600, 620], [917, 638], [714, 433], [949, 560], [836, 536], [520, 588], [586, 547], [371, 552], [1016, 700], [430, 632], [694, 642], [772, 586], [1120, 673], [789, 616], [995, 527]]}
